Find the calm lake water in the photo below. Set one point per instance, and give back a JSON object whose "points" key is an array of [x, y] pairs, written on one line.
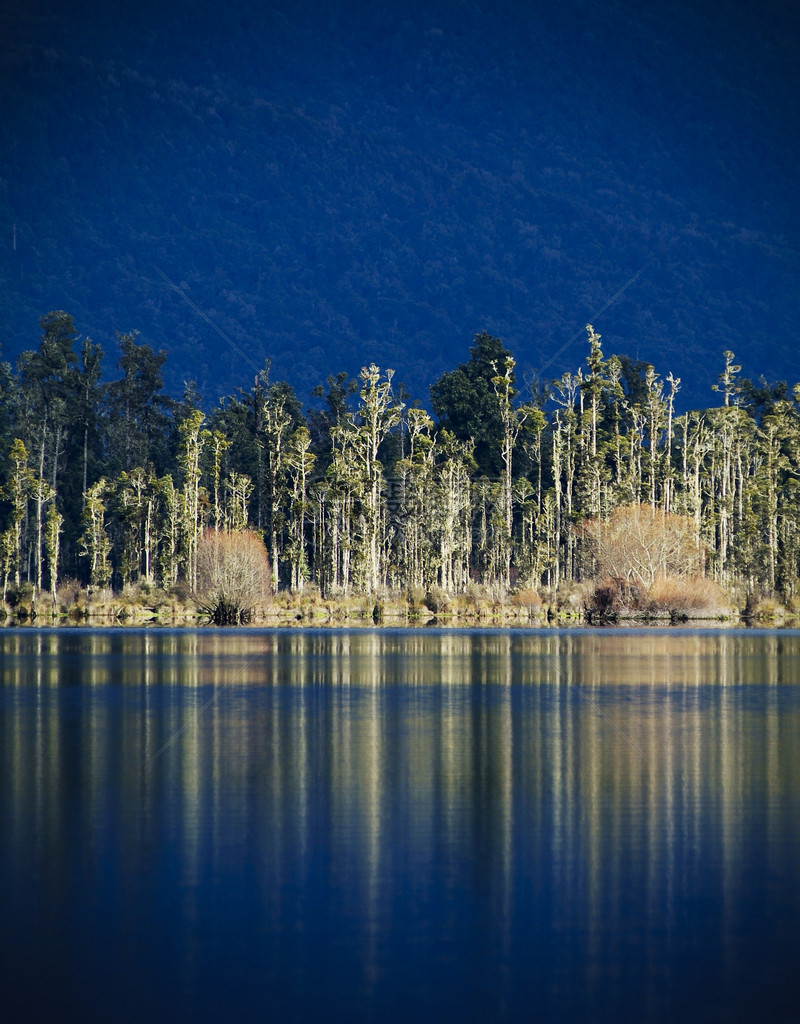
{"points": [[400, 825]]}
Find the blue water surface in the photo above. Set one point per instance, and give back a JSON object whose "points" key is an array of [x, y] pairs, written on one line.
{"points": [[387, 825]]}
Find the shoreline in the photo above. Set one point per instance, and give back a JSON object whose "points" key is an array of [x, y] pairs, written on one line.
{"points": [[305, 610]]}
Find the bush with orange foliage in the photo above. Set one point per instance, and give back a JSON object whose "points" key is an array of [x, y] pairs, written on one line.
{"points": [[233, 575], [650, 561], [676, 596], [526, 598], [637, 544]]}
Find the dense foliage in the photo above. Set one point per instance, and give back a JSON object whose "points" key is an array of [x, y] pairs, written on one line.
{"points": [[116, 484]]}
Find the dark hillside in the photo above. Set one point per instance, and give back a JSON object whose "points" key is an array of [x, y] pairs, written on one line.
{"points": [[337, 184]]}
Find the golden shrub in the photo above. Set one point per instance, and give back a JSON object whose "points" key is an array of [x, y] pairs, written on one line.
{"points": [[233, 574], [637, 545]]}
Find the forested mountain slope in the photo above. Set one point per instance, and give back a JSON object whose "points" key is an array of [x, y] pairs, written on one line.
{"points": [[334, 184]]}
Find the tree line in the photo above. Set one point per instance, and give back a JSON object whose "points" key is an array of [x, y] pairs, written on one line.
{"points": [[115, 483]]}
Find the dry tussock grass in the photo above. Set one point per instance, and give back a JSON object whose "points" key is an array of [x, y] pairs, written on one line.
{"points": [[671, 595], [674, 594]]}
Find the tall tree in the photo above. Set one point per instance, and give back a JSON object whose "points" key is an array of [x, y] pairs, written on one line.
{"points": [[411, 504], [466, 403], [240, 419], [512, 421], [95, 539], [18, 491], [378, 413], [140, 424], [9, 401], [337, 398], [47, 383], [192, 442], [299, 463], [85, 443]]}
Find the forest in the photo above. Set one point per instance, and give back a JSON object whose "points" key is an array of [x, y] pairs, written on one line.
{"points": [[592, 480]]}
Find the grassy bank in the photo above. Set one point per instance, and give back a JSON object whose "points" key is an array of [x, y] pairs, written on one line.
{"points": [[479, 606]]}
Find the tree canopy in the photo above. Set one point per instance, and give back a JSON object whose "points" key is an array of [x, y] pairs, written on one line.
{"points": [[466, 403], [115, 484]]}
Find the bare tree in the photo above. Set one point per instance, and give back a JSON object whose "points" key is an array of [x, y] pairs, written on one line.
{"points": [[638, 545], [233, 575]]}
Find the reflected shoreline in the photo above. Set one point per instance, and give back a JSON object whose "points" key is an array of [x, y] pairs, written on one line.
{"points": [[412, 823]]}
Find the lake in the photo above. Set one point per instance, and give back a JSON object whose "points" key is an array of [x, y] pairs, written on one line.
{"points": [[400, 825]]}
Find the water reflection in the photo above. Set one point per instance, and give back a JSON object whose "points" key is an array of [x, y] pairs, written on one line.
{"points": [[601, 824]]}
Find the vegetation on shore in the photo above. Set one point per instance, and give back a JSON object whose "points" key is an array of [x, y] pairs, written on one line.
{"points": [[573, 605], [592, 498]]}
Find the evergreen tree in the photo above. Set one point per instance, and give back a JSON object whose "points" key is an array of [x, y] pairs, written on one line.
{"points": [[466, 404], [48, 393], [140, 415]]}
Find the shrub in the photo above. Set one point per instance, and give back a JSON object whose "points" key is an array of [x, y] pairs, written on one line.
{"points": [[669, 594], [21, 596], [69, 592], [763, 608], [437, 601], [416, 596], [638, 545], [181, 591], [526, 598], [233, 575], [609, 597], [476, 596]]}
